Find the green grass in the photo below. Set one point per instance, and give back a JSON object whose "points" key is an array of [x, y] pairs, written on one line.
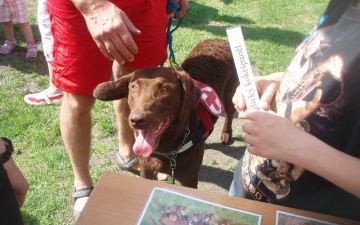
{"points": [[213, 162], [272, 30]]}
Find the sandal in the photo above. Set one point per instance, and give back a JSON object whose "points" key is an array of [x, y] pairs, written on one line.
{"points": [[31, 51], [126, 166], [42, 98], [7, 47], [85, 192]]}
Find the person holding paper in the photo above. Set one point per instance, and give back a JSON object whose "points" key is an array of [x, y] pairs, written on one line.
{"points": [[304, 146]]}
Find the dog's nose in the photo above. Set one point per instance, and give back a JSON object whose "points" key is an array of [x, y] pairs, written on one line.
{"points": [[138, 119]]}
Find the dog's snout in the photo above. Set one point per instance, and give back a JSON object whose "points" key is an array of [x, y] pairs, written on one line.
{"points": [[138, 119]]}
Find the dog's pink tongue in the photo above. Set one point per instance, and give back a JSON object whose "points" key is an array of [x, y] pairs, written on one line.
{"points": [[144, 143]]}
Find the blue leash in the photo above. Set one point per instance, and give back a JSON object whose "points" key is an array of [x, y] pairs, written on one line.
{"points": [[172, 7]]}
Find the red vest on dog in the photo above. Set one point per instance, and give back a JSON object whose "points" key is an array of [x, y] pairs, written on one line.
{"points": [[209, 109]]}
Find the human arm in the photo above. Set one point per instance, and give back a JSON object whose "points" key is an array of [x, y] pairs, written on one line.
{"points": [[267, 87], [271, 136], [110, 28], [17, 179]]}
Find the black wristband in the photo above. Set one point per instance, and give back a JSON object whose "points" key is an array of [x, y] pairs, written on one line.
{"points": [[5, 156]]}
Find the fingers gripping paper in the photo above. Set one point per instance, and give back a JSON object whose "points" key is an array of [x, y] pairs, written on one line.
{"points": [[243, 67]]}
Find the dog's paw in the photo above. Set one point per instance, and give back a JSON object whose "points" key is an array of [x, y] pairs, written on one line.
{"points": [[225, 138]]}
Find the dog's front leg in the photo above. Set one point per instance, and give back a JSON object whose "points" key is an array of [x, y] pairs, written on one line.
{"points": [[145, 168], [147, 174], [191, 182]]}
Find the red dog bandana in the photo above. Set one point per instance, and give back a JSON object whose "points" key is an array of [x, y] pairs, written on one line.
{"points": [[210, 106]]}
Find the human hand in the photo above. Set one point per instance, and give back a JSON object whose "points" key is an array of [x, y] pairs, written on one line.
{"points": [[184, 5], [17, 180], [271, 136], [266, 86], [112, 31]]}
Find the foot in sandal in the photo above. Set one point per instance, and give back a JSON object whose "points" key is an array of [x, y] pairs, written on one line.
{"points": [[43, 98], [7, 47], [31, 51], [80, 197], [130, 165]]}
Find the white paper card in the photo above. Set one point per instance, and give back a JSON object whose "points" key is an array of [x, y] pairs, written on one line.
{"points": [[283, 218], [243, 67]]}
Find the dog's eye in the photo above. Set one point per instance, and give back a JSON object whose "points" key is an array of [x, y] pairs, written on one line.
{"points": [[134, 87], [163, 89]]}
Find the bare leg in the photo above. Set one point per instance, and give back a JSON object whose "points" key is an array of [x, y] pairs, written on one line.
{"points": [[125, 133], [8, 30], [26, 31], [75, 125]]}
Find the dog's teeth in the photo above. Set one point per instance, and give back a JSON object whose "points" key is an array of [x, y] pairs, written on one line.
{"points": [[157, 129]]}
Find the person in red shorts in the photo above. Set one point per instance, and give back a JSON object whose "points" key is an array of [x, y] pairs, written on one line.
{"points": [[92, 38]]}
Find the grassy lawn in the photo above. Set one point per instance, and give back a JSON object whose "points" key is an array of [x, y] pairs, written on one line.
{"points": [[272, 30]]}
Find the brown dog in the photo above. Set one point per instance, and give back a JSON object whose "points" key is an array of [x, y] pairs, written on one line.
{"points": [[164, 110]]}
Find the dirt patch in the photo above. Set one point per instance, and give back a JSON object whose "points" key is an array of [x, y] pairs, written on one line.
{"points": [[220, 160]]}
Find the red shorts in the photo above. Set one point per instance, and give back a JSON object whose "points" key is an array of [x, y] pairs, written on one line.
{"points": [[79, 66]]}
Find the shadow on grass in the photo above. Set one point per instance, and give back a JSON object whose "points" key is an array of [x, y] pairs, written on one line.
{"points": [[234, 152], [196, 19], [29, 219], [218, 176]]}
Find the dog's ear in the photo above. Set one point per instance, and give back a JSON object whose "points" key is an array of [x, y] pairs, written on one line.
{"points": [[191, 94], [113, 90]]}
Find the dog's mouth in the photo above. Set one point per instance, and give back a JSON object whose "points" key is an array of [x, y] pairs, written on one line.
{"points": [[147, 140]]}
